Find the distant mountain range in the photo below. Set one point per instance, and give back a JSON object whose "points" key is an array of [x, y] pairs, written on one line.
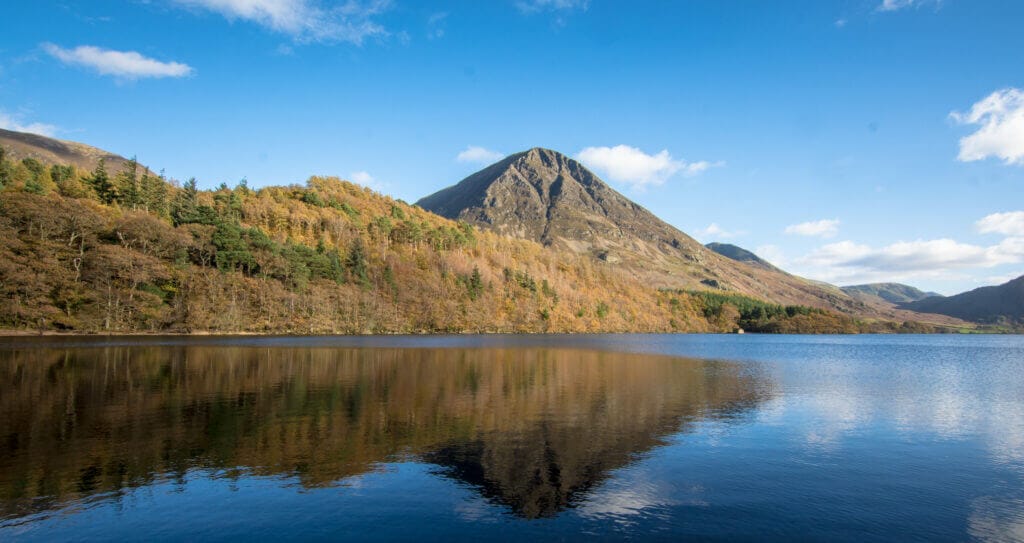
{"points": [[894, 293], [1003, 304]]}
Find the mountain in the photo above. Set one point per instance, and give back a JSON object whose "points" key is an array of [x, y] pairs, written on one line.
{"points": [[21, 145], [81, 252], [739, 254], [545, 196], [894, 293], [120, 253], [1003, 304]]}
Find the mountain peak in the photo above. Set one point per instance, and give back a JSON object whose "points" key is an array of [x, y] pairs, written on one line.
{"points": [[548, 157], [546, 196]]}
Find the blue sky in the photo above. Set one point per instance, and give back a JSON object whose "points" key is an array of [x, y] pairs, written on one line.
{"points": [[848, 141]]}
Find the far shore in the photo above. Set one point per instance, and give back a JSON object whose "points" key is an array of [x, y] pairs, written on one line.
{"points": [[6, 333]]}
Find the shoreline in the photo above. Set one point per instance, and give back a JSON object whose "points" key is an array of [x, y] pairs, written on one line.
{"points": [[207, 333]]}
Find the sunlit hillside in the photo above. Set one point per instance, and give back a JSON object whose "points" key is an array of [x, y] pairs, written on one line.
{"points": [[122, 251]]}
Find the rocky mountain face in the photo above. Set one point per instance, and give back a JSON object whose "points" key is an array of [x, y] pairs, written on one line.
{"points": [[894, 293], [1003, 304], [545, 196], [739, 254]]}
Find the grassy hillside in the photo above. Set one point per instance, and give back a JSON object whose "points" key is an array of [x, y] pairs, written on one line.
{"points": [[126, 251]]}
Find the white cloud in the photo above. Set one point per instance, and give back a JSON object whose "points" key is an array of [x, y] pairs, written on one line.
{"points": [[717, 232], [122, 64], [825, 228], [896, 5], [771, 253], [849, 262], [8, 122], [1010, 223], [364, 178], [1008, 251], [1000, 117], [638, 169], [534, 6], [435, 25], [837, 254], [304, 20], [693, 168], [473, 153], [893, 5], [920, 255], [1003, 278]]}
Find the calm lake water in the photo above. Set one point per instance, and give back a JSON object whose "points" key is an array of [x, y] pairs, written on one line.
{"points": [[856, 438]]}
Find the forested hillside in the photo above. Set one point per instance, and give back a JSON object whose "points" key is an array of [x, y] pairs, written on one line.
{"points": [[127, 251]]}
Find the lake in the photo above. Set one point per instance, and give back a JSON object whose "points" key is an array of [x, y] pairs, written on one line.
{"points": [[608, 437]]}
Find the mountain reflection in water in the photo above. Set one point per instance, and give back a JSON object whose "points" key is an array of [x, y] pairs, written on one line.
{"points": [[532, 429]]}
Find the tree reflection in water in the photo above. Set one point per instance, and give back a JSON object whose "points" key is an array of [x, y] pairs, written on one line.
{"points": [[532, 429]]}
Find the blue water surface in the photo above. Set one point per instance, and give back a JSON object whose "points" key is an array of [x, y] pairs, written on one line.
{"points": [[606, 437]]}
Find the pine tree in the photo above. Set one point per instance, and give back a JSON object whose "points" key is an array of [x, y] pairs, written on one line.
{"points": [[129, 192], [100, 182], [357, 264]]}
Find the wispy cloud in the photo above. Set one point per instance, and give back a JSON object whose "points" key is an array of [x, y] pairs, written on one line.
{"points": [[714, 231], [772, 253], [10, 122], [1010, 223], [849, 262], [435, 25], [479, 155], [120, 64], [825, 228], [630, 165], [365, 179], [904, 256], [1000, 117], [1003, 278], [896, 5], [535, 6], [304, 20]]}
